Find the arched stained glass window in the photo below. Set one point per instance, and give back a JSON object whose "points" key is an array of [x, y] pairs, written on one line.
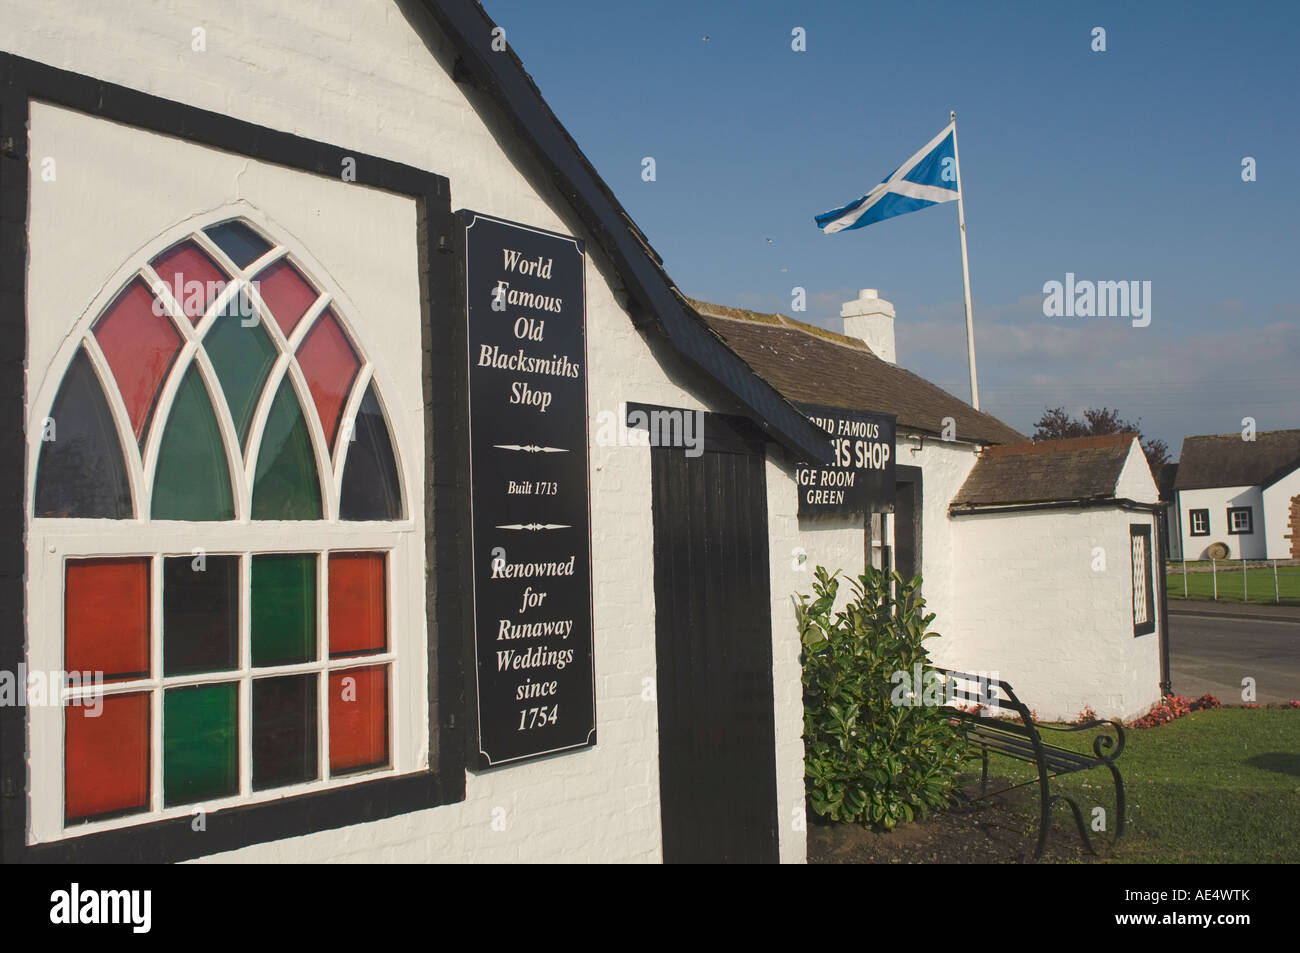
{"points": [[246, 371], [260, 525]]}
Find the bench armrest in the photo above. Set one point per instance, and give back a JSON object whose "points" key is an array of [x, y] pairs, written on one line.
{"points": [[1103, 742]]}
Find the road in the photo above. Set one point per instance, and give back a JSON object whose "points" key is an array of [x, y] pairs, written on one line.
{"points": [[1213, 654]]}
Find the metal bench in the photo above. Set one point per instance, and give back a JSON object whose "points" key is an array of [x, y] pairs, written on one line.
{"points": [[1023, 742]]}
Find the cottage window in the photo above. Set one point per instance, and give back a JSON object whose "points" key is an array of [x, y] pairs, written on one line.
{"points": [[1143, 593], [1200, 522], [1239, 520], [223, 547]]}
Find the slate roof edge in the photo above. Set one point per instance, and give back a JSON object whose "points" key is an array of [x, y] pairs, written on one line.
{"points": [[502, 78], [716, 312], [1277, 475], [783, 321], [1067, 445]]}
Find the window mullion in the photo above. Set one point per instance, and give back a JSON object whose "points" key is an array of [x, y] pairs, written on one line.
{"points": [[245, 680], [156, 694], [347, 432], [320, 449], [322, 654], [131, 450]]}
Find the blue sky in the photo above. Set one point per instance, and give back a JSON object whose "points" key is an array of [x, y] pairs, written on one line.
{"points": [[1116, 165]]}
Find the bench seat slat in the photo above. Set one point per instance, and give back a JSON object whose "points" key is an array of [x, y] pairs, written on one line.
{"points": [[1059, 760]]}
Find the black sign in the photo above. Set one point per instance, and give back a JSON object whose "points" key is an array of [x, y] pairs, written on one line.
{"points": [[862, 477], [534, 673]]}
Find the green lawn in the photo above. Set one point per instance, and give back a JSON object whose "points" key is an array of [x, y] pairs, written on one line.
{"points": [[1258, 584], [1220, 786]]}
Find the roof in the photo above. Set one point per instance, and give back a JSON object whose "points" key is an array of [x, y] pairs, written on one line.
{"points": [[1082, 468], [813, 365], [653, 300], [1229, 460]]}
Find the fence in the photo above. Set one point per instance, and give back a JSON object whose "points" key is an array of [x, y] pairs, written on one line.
{"points": [[1236, 580]]}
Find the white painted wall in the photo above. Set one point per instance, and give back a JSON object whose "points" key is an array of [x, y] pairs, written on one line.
{"points": [[1135, 481], [797, 548], [1039, 613], [944, 468], [1276, 501], [362, 77], [1217, 500]]}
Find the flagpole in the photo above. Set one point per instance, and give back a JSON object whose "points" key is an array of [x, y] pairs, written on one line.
{"points": [[965, 268]]}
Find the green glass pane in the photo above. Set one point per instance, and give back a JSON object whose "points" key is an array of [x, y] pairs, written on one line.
{"points": [[200, 743], [286, 487], [192, 482], [284, 609], [242, 353]]}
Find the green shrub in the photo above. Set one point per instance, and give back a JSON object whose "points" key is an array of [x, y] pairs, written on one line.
{"points": [[868, 760]]}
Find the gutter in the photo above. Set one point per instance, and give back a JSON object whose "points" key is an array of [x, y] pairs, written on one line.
{"points": [[1092, 502]]}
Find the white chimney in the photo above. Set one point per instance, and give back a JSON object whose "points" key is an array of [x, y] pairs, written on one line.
{"points": [[871, 319]]}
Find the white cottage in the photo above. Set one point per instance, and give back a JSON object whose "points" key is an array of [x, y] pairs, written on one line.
{"points": [[317, 546], [1042, 561], [310, 486], [1239, 498]]}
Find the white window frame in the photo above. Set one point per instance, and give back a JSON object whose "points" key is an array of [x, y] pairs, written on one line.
{"points": [[52, 541], [1234, 528], [1204, 516]]}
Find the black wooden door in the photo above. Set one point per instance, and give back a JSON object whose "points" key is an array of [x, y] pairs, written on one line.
{"points": [[717, 760], [908, 503]]}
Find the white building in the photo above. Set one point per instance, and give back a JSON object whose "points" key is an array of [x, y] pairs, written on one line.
{"points": [[237, 413], [1239, 498], [1042, 561]]}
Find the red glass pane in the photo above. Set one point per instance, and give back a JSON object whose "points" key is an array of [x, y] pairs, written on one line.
{"points": [[358, 718], [194, 279], [357, 603], [286, 294], [106, 756], [106, 617], [330, 365], [140, 346]]}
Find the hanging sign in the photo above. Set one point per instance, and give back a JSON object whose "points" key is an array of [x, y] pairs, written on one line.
{"points": [[530, 501], [861, 479]]}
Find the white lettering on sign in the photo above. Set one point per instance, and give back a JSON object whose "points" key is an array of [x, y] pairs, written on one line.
{"points": [[521, 393]]}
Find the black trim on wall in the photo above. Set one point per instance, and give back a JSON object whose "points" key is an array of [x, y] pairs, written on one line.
{"points": [[445, 473], [1162, 588], [1191, 523], [909, 506], [1250, 521], [1143, 531]]}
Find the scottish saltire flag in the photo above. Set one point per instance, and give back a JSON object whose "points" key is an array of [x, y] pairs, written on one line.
{"points": [[926, 179]]}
